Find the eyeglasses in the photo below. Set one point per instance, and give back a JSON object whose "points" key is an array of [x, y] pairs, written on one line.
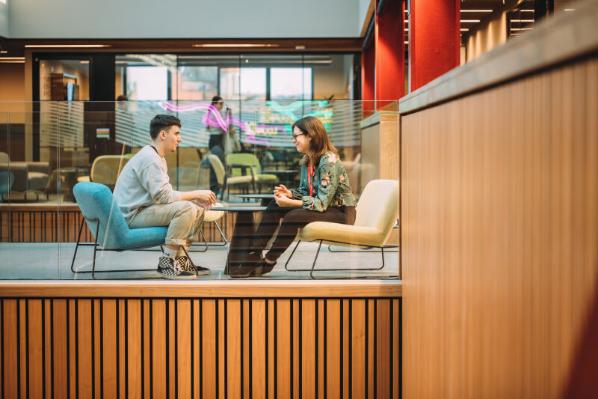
{"points": [[297, 135]]}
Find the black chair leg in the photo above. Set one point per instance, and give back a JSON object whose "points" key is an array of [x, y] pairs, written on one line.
{"points": [[311, 270], [77, 246], [190, 260], [95, 250], [313, 265], [286, 264]]}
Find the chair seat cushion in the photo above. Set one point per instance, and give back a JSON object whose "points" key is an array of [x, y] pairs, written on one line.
{"points": [[141, 237], [212, 216], [338, 232], [37, 180], [266, 178], [238, 180]]}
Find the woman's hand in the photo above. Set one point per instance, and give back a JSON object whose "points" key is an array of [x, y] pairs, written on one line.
{"points": [[283, 191], [286, 202]]}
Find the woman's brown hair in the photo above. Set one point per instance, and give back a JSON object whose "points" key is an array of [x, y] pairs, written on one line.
{"points": [[320, 143]]}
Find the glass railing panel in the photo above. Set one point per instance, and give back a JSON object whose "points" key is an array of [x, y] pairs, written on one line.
{"points": [[66, 143]]}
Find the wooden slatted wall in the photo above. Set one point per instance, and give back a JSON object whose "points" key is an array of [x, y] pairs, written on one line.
{"points": [[60, 224], [200, 348]]}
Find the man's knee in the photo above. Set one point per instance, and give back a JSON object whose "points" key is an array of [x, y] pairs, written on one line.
{"points": [[185, 208]]}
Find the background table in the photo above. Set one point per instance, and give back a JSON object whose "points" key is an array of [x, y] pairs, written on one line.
{"points": [[264, 198]]}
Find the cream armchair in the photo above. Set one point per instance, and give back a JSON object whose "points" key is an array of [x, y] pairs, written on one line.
{"points": [[376, 215]]}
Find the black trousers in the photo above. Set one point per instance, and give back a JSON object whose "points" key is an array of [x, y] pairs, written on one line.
{"points": [[216, 147], [290, 221]]}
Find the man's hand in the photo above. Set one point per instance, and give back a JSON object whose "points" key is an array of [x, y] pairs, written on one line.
{"points": [[281, 190], [205, 197]]}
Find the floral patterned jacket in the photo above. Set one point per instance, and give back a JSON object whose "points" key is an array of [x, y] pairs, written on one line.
{"points": [[330, 185]]}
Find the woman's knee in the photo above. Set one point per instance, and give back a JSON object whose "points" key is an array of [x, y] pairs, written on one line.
{"points": [[297, 216]]}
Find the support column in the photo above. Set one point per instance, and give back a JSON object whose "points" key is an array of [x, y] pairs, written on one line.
{"points": [[390, 52], [434, 39], [368, 77]]}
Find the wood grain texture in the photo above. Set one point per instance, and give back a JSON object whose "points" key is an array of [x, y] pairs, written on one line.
{"points": [[202, 288], [499, 234]]}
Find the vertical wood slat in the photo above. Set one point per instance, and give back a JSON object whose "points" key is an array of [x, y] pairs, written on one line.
{"points": [[158, 348], [180, 347], [10, 355]]}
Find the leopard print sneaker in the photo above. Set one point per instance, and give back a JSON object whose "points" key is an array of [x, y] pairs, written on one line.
{"points": [[171, 269]]}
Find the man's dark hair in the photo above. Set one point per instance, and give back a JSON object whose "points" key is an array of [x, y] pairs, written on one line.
{"points": [[216, 99], [162, 122]]}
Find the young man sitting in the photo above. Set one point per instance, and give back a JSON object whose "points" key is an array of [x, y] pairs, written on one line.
{"points": [[145, 196]]}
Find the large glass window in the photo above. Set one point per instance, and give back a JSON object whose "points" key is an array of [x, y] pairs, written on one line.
{"points": [[290, 83], [147, 83], [235, 77], [243, 83], [197, 82]]}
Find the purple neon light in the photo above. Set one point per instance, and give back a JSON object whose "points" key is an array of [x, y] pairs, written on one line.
{"points": [[213, 117]]}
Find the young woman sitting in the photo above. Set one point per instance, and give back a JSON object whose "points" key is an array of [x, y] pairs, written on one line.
{"points": [[324, 194]]}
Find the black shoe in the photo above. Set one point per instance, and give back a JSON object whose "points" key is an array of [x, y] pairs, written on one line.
{"points": [[267, 265], [245, 271]]}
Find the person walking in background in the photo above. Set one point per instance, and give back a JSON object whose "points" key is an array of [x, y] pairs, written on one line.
{"points": [[217, 125]]}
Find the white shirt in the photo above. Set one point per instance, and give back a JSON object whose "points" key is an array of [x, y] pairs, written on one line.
{"points": [[143, 182]]}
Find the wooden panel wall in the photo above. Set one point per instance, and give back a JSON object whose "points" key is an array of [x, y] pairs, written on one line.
{"points": [[499, 241], [200, 347], [61, 223]]}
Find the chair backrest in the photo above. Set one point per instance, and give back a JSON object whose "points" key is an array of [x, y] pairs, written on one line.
{"points": [[96, 203], [7, 178], [4, 159], [106, 168], [378, 205], [218, 167], [244, 158]]}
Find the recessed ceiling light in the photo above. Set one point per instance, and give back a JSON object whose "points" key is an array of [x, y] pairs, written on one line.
{"points": [[12, 60], [470, 21], [67, 45], [482, 10], [464, 29], [3, 52], [229, 45], [569, 9]]}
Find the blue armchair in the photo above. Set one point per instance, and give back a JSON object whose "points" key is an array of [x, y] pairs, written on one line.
{"points": [[109, 227]]}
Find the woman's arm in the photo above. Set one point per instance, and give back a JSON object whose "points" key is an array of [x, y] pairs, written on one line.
{"points": [[329, 180]]}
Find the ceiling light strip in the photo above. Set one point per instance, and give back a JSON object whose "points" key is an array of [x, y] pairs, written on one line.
{"points": [[233, 45], [67, 45]]}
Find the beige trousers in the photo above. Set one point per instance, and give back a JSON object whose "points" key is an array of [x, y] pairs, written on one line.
{"points": [[183, 218]]}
